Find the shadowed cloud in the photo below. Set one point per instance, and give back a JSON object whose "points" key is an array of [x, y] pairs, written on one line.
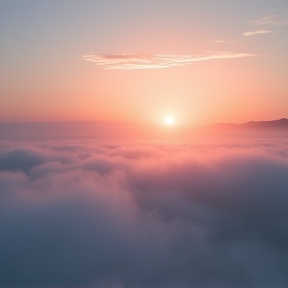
{"points": [[143, 61], [145, 215]]}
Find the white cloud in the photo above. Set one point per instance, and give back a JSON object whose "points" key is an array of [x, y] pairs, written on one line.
{"points": [[155, 61], [256, 32]]}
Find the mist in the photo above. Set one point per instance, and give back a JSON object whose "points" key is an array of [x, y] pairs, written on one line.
{"points": [[144, 214]]}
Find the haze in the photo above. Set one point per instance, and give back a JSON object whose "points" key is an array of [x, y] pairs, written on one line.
{"points": [[201, 62], [123, 158]]}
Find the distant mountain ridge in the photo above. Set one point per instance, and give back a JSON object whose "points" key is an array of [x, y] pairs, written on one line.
{"points": [[130, 130], [274, 124]]}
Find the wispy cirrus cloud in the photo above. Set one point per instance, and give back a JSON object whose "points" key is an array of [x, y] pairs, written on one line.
{"points": [[256, 32], [219, 41], [155, 61], [266, 24], [270, 21]]}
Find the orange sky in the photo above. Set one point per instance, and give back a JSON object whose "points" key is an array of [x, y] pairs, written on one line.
{"points": [[45, 76]]}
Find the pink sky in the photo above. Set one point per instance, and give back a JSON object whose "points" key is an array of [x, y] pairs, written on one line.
{"points": [[144, 61]]}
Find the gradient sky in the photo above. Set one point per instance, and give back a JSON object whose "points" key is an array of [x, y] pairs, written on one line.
{"points": [[198, 61]]}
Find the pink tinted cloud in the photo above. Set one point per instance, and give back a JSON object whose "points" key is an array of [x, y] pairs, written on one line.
{"points": [[155, 61], [138, 215]]}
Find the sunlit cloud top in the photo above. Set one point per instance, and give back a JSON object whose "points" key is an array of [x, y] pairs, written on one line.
{"points": [[148, 61]]}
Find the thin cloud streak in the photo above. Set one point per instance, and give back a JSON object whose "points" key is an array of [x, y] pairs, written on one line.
{"points": [[266, 24], [156, 61], [270, 21], [256, 32]]}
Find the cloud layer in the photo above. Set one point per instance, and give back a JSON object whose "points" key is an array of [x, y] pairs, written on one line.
{"points": [[139, 61], [144, 215]]}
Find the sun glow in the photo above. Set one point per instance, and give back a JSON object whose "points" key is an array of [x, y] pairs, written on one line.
{"points": [[169, 121]]}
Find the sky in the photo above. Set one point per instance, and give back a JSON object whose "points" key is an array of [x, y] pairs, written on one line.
{"points": [[199, 62], [141, 198]]}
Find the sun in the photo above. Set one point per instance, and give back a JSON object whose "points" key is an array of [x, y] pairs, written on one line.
{"points": [[169, 121]]}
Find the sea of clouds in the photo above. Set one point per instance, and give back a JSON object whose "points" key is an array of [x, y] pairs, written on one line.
{"points": [[208, 213]]}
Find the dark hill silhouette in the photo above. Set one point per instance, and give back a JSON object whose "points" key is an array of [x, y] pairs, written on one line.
{"points": [[253, 128], [274, 124], [127, 130]]}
